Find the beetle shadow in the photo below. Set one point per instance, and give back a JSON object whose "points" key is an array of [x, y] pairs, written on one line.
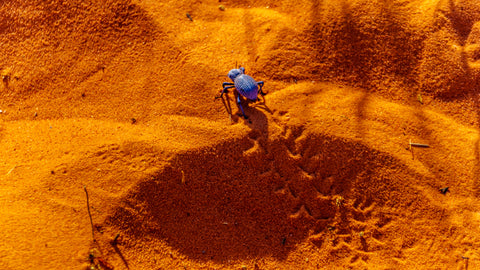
{"points": [[262, 103], [258, 120], [226, 103]]}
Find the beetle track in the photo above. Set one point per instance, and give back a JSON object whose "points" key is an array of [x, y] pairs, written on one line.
{"points": [[314, 201]]}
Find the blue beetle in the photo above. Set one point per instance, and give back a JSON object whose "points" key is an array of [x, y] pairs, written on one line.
{"points": [[245, 86]]}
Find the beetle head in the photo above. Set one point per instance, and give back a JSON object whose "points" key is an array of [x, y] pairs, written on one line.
{"points": [[232, 74]]}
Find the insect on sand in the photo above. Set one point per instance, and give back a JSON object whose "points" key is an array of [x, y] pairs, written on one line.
{"points": [[244, 85]]}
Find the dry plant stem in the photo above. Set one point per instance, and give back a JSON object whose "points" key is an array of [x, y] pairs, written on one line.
{"points": [[115, 240], [89, 214], [421, 145], [11, 170]]}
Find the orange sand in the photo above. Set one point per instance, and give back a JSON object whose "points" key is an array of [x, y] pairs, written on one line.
{"points": [[319, 177]]}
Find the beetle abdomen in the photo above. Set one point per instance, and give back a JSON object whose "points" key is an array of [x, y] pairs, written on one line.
{"points": [[246, 86]]}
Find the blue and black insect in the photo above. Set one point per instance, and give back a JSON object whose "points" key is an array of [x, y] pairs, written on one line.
{"points": [[245, 86]]}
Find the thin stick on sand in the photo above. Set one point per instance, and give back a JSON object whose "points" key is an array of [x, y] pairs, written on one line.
{"points": [[89, 214], [421, 145], [11, 170], [418, 145]]}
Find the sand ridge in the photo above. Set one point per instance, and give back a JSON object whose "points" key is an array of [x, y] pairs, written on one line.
{"points": [[118, 97]]}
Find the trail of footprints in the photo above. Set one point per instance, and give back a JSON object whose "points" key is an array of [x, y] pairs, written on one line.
{"points": [[310, 172]]}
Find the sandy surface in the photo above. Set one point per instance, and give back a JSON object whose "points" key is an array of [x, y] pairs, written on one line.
{"points": [[118, 97]]}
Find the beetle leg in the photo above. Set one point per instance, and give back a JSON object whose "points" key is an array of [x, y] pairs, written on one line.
{"points": [[225, 88], [227, 83], [240, 106], [260, 83]]}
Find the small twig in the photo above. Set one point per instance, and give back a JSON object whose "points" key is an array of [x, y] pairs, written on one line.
{"points": [[115, 240], [11, 170], [89, 214], [420, 145], [119, 252]]}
